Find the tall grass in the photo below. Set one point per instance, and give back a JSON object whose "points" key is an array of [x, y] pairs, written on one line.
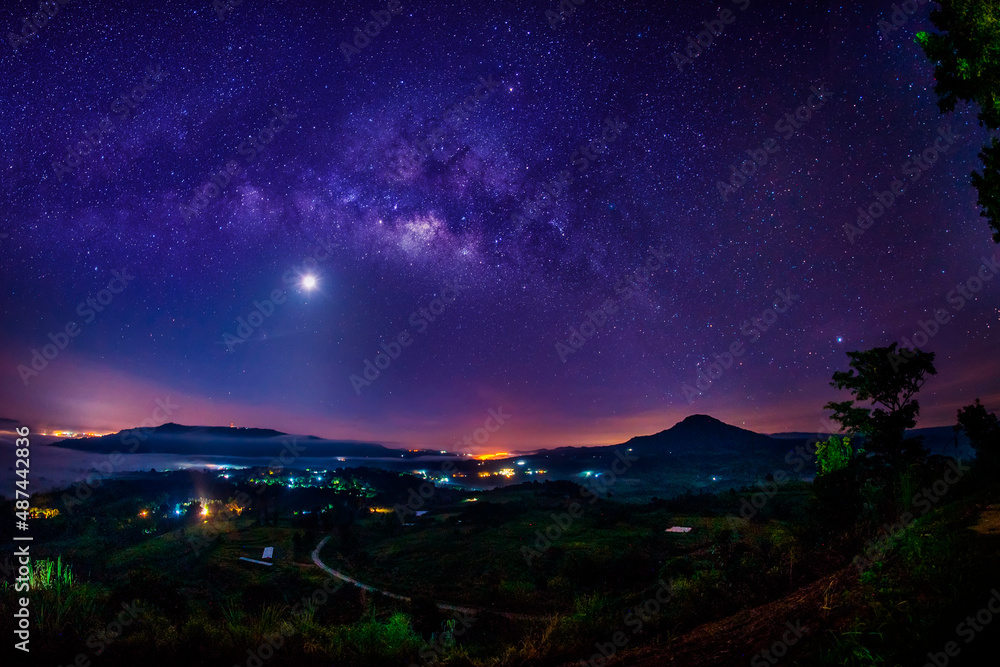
{"points": [[370, 642], [47, 573], [246, 629], [60, 600]]}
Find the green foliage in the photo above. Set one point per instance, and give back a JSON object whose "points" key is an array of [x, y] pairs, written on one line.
{"points": [[57, 598], [245, 628], [698, 596], [919, 588], [966, 58], [833, 454], [586, 582], [373, 642], [591, 615], [76, 609], [447, 636], [850, 648], [537, 646], [888, 378], [48, 573]]}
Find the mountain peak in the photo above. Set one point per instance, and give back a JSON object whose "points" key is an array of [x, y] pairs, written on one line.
{"points": [[702, 433], [702, 421]]}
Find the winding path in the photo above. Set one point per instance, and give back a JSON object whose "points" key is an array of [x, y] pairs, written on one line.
{"points": [[441, 605]]}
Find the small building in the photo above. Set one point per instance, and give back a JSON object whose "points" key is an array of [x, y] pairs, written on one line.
{"points": [[679, 529], [251, 560]]}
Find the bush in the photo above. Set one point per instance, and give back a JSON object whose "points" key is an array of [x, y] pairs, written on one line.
{"points": [[370, 642], [698, 598]]}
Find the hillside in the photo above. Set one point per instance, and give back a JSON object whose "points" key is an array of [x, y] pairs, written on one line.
{"points": [[173, 438], [908, 604]]}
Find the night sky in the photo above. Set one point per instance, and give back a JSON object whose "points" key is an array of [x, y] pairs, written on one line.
{"points": [[358, 167]]}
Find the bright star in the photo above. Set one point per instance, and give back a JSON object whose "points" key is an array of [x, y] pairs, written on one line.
{"points": [[309, 282]]}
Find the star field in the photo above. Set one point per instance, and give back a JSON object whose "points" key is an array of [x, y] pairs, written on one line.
{"points": [[534, 167]]}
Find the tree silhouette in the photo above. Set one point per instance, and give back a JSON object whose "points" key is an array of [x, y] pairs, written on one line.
{"points": [[888, 378], [966, 57], [983, 429]]}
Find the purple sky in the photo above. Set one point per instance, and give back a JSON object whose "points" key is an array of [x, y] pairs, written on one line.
{"points": [[229, 157]]}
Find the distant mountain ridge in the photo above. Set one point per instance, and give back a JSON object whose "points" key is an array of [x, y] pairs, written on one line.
{"points": [[171, 438], [223, 431], [937, 439], [696, 435]]}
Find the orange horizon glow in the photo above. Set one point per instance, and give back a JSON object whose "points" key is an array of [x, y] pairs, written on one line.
{"points": [[127, 401]]}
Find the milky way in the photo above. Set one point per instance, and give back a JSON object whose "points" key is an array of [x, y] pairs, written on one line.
{"points": [[601, 220]]}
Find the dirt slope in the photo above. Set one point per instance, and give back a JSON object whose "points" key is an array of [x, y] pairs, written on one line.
{"points": [[737, 639]]}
